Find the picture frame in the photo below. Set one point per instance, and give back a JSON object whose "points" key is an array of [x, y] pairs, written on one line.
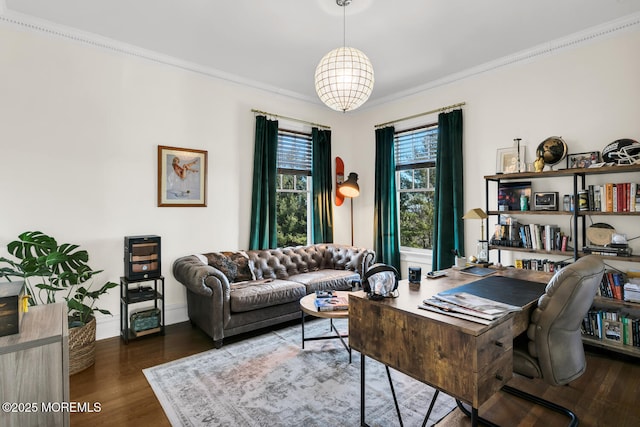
{"points": [[182, 177], [612, 332], [583, 160], [509, 194], [507, 160]]}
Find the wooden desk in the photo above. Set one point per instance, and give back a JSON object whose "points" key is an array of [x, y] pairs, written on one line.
{"points": [[466, 360]]}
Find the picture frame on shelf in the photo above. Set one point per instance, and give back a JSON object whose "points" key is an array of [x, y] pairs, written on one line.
{"points": [[612, 332], [507, 160], [583, 160], [182, 177], [509, 194]]}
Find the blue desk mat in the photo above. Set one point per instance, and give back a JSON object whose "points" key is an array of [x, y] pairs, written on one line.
{"points": [[503, 289]]}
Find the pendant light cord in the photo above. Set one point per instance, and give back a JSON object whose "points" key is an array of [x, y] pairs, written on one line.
{"points": [[344, 24]]}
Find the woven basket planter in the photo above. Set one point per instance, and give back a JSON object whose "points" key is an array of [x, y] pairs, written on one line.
{"points": [[82, 347]]}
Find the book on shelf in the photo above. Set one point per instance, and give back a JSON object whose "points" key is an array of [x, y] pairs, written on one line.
{"points": [[332, 304], [615, 197], [612, 327], [545, 265]]}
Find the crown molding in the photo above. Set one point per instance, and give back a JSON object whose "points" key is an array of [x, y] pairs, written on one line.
{"points": [[606, 30], [29, 23]]}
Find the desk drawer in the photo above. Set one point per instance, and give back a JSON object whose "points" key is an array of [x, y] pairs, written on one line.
{"points": [[497, 374], [493, 344]]}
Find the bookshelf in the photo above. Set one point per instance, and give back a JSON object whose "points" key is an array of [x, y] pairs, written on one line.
{"points": [[578, 179]]}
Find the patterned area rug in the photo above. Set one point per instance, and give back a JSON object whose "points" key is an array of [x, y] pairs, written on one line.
{"points": [[269, 380]]}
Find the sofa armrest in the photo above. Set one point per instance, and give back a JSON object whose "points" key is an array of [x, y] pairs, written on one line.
{"points": [[201, 278], [364, 259]]}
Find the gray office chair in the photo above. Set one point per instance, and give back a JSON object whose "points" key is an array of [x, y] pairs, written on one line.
{"points": [[552, 348]]}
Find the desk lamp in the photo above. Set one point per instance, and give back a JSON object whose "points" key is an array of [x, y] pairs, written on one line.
{"points": [[483, 245]]}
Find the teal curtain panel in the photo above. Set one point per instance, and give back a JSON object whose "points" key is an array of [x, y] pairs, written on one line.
{"points": [[263, 234], [386, 231], [449, 195], [321, 186]]}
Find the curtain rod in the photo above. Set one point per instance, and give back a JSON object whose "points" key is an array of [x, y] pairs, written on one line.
{"points": [[437, 110], [290, 118]]}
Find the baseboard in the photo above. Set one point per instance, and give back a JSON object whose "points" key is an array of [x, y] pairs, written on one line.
{"points": [[109, 326]]}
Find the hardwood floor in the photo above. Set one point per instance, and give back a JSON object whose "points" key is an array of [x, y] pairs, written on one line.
{"points": [[606, 395]]}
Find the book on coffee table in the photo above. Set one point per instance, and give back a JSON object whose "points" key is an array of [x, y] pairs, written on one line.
{"points": [[332, 304]]}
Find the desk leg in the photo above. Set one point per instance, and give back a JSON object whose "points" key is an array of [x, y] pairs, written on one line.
{"points": [[362, 397], [473, 414]]}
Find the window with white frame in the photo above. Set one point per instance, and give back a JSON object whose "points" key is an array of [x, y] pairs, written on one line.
{"points": [[293, 191], [415, 156]]}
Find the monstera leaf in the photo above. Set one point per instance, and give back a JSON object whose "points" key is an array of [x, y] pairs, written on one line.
{"points": [[49, 268]]}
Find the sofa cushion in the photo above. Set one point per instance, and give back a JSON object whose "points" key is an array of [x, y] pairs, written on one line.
{"points": [[323, 280], [235, 265], [252, 295]]}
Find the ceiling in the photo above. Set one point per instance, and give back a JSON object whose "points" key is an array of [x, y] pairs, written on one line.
{"points": [[276, 44]]}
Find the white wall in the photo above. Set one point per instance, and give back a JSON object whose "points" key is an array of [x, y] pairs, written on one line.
{"points": [[79, 130], [589, 95], [80, 126]]}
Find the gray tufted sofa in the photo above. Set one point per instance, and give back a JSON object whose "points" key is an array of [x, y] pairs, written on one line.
{"points": [[229, 293]]}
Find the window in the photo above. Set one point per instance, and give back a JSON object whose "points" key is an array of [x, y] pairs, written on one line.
{"points": [[293, 213], [415, 156]]}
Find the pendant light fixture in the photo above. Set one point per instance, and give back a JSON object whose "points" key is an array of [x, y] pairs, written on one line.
{"points": [[344, 76]]}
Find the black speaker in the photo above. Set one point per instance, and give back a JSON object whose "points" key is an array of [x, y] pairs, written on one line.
{"points": [[414, 274]]}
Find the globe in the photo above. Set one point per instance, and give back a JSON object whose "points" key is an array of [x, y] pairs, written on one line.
{"points": [[552, 150]]}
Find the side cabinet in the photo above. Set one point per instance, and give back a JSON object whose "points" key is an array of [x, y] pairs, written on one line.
{"points": [[34, 367]]}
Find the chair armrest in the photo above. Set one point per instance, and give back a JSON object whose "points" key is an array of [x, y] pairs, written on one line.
{"points": [[201, 278]]}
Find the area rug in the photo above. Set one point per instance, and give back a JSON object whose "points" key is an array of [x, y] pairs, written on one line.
{"points": [[269, 380]]}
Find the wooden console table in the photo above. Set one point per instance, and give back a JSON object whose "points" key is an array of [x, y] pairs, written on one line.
{"points": [[466, 360], [34, 367]]}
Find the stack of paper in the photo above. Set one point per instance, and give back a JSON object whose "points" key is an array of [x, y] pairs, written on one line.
{"points": [[468, 306], [632, 290]]}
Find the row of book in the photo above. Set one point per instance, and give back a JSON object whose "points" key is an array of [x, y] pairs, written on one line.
{"points": [[531, 236], [610, 197], [620, 286], [612, 285], [540, 264], [612, 327]]}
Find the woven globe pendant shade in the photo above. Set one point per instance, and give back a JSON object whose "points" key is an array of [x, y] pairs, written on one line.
{"points": [[344, 79]]}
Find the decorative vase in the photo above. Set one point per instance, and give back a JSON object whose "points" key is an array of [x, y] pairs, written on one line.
{"points": [[82, 347]]}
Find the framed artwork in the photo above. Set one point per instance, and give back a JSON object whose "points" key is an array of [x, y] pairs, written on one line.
{"points": [[583, 160], [509, 194], [182, 177], [507, 160]]}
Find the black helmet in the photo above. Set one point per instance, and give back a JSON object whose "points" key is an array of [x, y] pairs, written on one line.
{"points": [[622, 151]]}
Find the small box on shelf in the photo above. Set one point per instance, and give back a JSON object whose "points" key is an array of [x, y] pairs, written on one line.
{"points": [[12, 307]]}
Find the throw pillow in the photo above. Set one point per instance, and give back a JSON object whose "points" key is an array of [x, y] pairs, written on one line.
{"points": [[222, 262]]}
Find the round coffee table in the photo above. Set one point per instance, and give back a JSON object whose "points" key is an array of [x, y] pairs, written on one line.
{"points": [[308, 307]]}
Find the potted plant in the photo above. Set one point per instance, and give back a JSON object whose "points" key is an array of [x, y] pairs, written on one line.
{"points": [[51, 270]]}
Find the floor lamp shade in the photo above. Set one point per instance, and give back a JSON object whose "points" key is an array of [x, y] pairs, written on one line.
{"points": [[350, 187]]}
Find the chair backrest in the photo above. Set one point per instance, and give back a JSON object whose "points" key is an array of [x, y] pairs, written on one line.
{"points": [[554, 331]]}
